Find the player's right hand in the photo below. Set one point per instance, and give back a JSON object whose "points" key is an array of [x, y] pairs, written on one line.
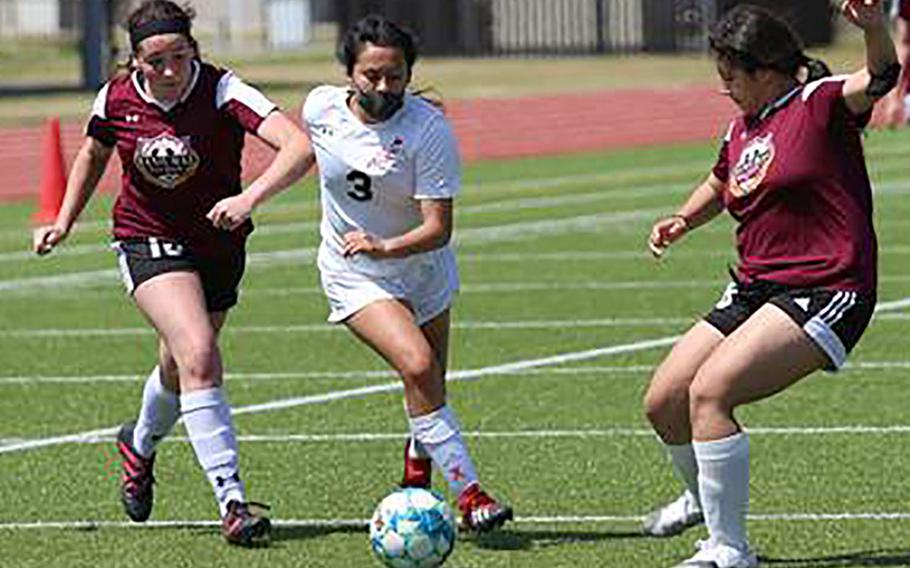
{"points": [[45, 238], [665, 232]]}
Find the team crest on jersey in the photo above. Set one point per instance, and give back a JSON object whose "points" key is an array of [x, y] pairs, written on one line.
{"points": [[166, 160], [386, 156], [753, 164]]}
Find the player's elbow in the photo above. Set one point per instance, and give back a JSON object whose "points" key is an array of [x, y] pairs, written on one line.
{"points": [[440, 234]]}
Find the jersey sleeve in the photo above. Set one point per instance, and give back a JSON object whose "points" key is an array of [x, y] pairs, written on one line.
{"points": [[721, 169], [244, 104], [99, 126], [903, 9], [314, 105], [825, 103], [437, 165]]}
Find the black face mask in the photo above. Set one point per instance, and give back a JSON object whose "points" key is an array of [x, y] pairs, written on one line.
{"points": [[379, 106]]}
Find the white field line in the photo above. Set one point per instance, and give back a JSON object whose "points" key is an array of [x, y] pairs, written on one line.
{"points": [[312, 226], [364, 523], [508, 287], [880, 310], [327, 328], [604, 370], [463, 375], [508, 205], [316, 375], [467, 374], [478, 235], [634, 176], [60, 284], [576, 256], [369, 437]]}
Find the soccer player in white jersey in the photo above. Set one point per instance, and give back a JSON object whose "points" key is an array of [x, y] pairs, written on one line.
{"points": [[389, 170]]}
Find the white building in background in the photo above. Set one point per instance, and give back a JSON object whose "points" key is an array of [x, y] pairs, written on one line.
{"points": [[222, 25], [29, 18]]}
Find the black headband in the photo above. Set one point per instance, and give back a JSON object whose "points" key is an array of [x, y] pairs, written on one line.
{"points": [[158, 27]]}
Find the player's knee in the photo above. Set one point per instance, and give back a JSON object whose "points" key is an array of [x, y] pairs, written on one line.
{"points": [[199, 365], [665, 405], [417, 367], [706, 400]]}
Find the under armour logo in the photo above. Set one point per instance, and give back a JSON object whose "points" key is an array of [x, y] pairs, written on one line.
{"points": [[133, 118], [220, 481]]}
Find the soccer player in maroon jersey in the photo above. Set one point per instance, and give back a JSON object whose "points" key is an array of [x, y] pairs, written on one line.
{"points": [[792, 173], [180, 226]]}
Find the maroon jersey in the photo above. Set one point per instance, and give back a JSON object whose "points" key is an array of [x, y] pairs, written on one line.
{"points": [[902, 9], [796, 182], [178, 159]]}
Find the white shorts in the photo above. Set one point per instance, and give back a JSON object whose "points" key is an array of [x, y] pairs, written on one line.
{"points": [[429, 289]]}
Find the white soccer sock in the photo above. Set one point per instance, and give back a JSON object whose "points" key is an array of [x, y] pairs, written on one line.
{"points": [[440, 436], [159, 412], [682, 456], [207, 417], [416, 451], [723, 482]]}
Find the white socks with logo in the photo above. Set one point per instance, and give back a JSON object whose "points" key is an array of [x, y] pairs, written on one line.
{"points": [[207, 417], [440, 436]]}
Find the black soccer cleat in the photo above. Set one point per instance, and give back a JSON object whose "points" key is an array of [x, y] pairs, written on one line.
{"points": [[137, 479], [243, 527]]}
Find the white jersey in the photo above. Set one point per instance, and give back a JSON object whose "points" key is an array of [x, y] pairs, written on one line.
{"points": [[373, 176]]}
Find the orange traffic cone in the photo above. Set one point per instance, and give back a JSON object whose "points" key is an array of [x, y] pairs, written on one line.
{"points": [[53, 176]]}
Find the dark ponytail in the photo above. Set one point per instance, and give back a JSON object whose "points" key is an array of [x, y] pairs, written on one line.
{"points": [[752, 38], [815, 69]]}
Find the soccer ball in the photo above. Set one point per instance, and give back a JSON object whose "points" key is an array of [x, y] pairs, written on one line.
{"points": [[412, 528]]}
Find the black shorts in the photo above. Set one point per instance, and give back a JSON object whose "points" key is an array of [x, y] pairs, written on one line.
{"points": [[142, 258], [833, 319]]}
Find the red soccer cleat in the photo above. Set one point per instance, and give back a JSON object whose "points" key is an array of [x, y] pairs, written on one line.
{"points": [[480, 512]]}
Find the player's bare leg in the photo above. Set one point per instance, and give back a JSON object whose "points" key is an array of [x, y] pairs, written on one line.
{"points": [[418, 354], [766, 355], [136, 441], [667, 408], [174, 304]]}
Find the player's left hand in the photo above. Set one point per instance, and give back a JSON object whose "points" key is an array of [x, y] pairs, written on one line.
{"points": [[864, 14], [231, 212], [359, 241]]}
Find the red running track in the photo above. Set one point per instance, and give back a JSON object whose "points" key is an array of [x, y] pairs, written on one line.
{"points": [[486, 128]]}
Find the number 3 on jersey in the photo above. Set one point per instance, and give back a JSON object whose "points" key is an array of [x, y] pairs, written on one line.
{"points": [[361, 186]]}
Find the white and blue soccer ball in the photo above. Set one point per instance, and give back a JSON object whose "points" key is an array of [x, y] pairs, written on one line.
{"points": [[412, 528]]}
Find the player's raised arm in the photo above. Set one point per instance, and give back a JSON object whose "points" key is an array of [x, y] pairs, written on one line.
{"points": [[882, 70]]}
